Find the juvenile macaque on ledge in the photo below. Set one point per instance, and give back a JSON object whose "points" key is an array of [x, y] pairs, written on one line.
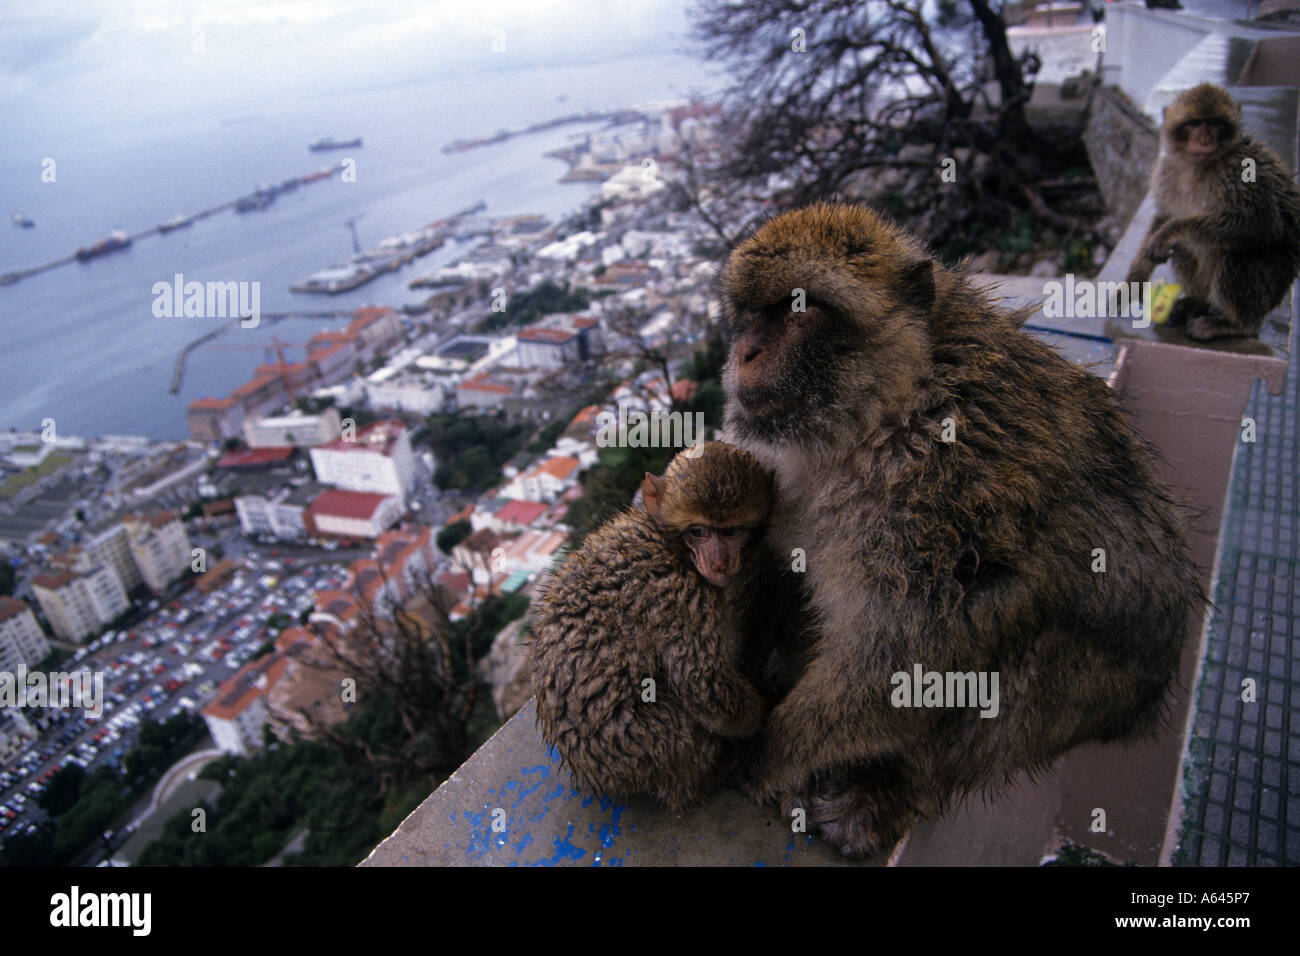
{"points": [[1227, 214], [640, 635]]}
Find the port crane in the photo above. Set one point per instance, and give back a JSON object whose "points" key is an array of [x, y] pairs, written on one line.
{"points": [[281, 366], [352, 226]]}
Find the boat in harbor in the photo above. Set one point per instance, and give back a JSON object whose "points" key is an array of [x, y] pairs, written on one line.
{"points": [[21, 219], [390, 255], [259, 198], [176, 222], [328, 142], [115, 240]]}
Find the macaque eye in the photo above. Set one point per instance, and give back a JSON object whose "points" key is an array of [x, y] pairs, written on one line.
{"points": [[732, 532], [698, 532]]}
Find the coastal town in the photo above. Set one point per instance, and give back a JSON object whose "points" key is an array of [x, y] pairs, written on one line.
{"points": [[205, 578], [306, 623]]}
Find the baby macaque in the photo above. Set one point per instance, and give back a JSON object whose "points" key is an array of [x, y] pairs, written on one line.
{"points": [[640, 635]]}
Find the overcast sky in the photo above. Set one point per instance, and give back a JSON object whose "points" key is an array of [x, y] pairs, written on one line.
{"points": [[148, 59]]}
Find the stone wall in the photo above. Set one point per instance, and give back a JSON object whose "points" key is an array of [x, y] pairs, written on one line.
{"points": [[1122, 147]]}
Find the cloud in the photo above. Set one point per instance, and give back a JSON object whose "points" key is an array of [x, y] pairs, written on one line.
{"points": [[179, 55]]}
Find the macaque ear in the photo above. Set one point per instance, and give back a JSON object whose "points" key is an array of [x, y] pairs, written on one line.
{"points": [[652, 494], [916, 285]]}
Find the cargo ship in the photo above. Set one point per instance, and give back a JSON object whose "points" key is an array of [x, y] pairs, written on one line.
{"points": [[115, 240], [176, 222], [260, 198], [328, 142], [20, 219], [322, 173]]}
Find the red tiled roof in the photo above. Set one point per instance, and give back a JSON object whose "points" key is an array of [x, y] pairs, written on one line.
{"points": [[236, 694], [483, 385], [545, 336], [585, 416], [256, 385], [367, 315], [11, 607], [53, 580], [561, 466], [347, 504], [276, 370], [213, 404], [522, 512], [324, 353], [249, 457], [156, 519]]}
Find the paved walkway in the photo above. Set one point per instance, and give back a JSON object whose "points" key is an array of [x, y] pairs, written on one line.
{"points": [[1242, 779]]}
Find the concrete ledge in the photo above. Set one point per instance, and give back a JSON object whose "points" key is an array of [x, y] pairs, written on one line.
{"points": [[545, 822]]}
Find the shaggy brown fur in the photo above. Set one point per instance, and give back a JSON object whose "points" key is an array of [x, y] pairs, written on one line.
{"points": [[631, 605], [1235, 244], [973, 555]]}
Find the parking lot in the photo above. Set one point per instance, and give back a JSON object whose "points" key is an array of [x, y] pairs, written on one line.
{"points": [[171, 662]]}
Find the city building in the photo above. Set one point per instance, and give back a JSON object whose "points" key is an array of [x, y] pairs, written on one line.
{"points": [[557, 341], [378, 328], [214, 419], [353, 514], [15, 733], [281, 512], [21, 639], [544, 482], [378, 460], [111, 549], [481, 391], [236, 716], [307, 696], [160, 548], [298, 430], [77, 605], [418, 392]]}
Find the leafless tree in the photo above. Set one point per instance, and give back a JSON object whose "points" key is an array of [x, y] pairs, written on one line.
{"points": [[411, 658], [828, 92]]}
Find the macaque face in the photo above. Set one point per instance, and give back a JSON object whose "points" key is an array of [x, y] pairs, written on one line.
{"points": [[717, 552], [783, 360], [1203, 136]]}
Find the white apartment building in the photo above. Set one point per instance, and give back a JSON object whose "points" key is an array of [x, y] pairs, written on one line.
{"points": [[21, 639], [298, 430], [354, 514], [377, 461], [112, 550], [15, 732], [546, 481], [78, 605], [160, 547], [405, 393], [235, 717], [281, 513]]}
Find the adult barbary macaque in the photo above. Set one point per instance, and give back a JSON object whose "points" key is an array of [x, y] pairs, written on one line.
{"points": [[953, 484], [640, 635], [1227, 212]]}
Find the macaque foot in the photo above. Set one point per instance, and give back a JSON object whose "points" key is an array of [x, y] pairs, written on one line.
{"points": [[857, 823], [1185, 308], [1203, 328]]}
